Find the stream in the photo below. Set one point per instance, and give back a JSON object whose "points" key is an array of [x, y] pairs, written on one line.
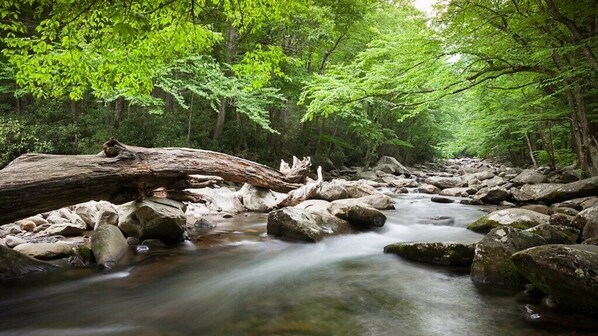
{"points": [[237, 281]]}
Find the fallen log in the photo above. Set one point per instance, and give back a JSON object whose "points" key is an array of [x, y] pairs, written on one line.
{"points": [[36, 183]]}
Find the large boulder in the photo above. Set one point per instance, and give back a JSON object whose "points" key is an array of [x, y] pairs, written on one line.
{"points": [[378, 201], [492, 263], [517, 218], [332, 191], [157, 218], [360, 215], [294, 224], [556, 234], [494, 195], [216, 200], [483, 175], [530, 192], [582, 188], [390, 165], [108, 245], [87, 212], [530, 176], [67, 229], [444, 182], [429, 189], [444, 254], [44, 250], [107, 214], [357, 189], [259, 199], [565, 272], [14, 264], [587, 220], [493, 182]]}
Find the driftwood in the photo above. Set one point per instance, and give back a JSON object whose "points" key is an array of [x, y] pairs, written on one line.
{"points": [[36, 183]]}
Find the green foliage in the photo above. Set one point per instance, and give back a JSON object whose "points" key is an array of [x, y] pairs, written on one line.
{"points": [[17, 138]]}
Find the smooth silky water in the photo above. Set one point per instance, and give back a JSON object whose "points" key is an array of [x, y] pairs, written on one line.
{"points": [[237, 281]]}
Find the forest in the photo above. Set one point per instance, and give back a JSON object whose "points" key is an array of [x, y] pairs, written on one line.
{"points": [[344, 81]]}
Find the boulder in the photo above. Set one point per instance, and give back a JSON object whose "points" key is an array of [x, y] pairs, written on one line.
{"points": [[587, 220], [378, 201], [358, 214], [564, 210], [567, 273], [332, 191], [357, 189], [444, 254], [37, 219], [294, 224], [429, 189], [44, 250], [55, 217], [494, 195], [483, 175], [530, 192], [541, 208], [562, 220], [401, 182], [107, 214], [66, 229], [529, 176], [457, 192], [87, 212], [517, 218], [158, 218], [444, 182], [439, 199], [578, 189], [365, 175], [216, 200], [12, 241], [492, 263], [108, 245], [556, 234], [14, 264], [390, 165], [314, 205], [493, 182], [259, 199]]}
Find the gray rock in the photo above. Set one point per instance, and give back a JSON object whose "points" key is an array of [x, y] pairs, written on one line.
{"points": [[87, 212], [66, 229], [439, 199], [401, 182], [357, 189], [259, 199], [390, 165], [366, 175], [530, 176], [14, 264], [332, 191], [158, 218], [444, 254], [358, 214], [44, 250], [12, 241], [493, 182], [108, 245], [587, 220], [494, 195], [565, 210], [314, 205], [562, 220], [582, 188], [530, 192], [556, 234], [107, 214], [457, 192], [565, 272], [492, 263], [295, 224], [517, 218], [483, 175], [541, 208], [378, 201], [444, 182], [429, 189], [216, 200]]}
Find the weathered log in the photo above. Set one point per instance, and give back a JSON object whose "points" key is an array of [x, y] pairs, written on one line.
{"points": [[35, 183]]}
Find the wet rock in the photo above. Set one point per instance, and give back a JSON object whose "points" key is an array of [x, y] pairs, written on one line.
{"points": [[565, 272], [44, 250], [530, 176], [554, 234], [517, 218], [439, 199], [457, 192], [66, 229], [357, 189], [12, 241], [429, 189], [587, 220], [295, 224], [444, 254], [107, 214], [543, 209], [158, 218], [401, 182], [259, 199], [565, 210], [14, 264], [562, 220], [314, 205], [332, 191], [358, 214], [582, 188], [444, 182], [494, 195], [492, 263], [390, 165], [108, 245], [591, 241], [378, 201], [471, 202]]}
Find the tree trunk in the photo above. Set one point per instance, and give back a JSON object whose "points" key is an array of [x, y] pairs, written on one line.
{"points": [[74, 114], [35, 183], [189, 120], [118, 111], [531, 150], [549, 149], [229, 52]]}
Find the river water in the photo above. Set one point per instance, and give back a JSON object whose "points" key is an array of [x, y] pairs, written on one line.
{"points": [[237, 281]]}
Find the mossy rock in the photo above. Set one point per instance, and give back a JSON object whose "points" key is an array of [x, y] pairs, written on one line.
{"points": [[444, 254], [516, 218]]}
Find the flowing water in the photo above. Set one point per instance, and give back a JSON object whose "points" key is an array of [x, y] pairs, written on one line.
{"points": [[237, 281]]}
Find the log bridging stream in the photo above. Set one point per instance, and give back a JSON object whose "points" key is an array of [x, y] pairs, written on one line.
{"points": [[35, 183]]}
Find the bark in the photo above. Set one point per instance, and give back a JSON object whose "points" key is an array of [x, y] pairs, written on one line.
{"points": [[229, 52], [118, 111], [74, 113], [35, 183], [549, 149], [531, 150], [189, 123]]}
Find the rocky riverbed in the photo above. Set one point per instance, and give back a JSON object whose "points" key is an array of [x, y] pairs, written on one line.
{"points": [[542, 233]]}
